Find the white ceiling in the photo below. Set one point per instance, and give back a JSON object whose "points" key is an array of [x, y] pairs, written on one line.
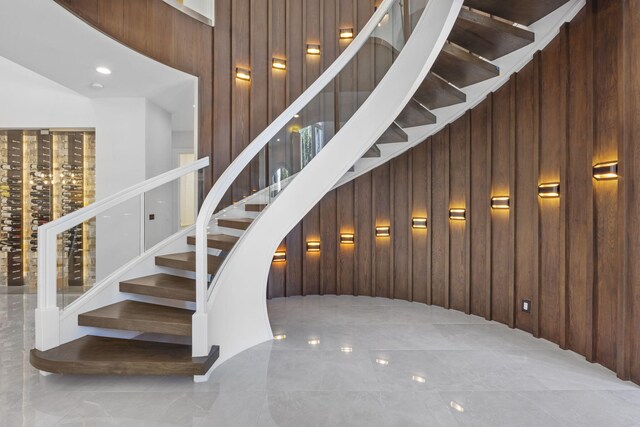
{"points": [[47, 39]]}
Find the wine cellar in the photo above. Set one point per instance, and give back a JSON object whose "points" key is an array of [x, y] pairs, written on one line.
{"points": [[46, 174]]}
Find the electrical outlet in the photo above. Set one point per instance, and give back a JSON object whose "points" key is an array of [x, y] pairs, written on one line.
{"points": [[526, 306], [152, 217]]}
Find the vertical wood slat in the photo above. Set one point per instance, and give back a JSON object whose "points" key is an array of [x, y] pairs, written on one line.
{"points": [[345, 253], [401, 227], [328, 232], [382, 264], [440, 218], [420, 247], [364, 240]]}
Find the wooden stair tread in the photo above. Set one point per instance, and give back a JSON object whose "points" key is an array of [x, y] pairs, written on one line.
{"points": [[223, 242], [254, 207], [140, 316], [237, 223], [161, 285], [488, 37], [393, 134], [373, 152], [461, 68], [524, 12], [415, 114], [187, 261], [92, 355], [434, 92]]}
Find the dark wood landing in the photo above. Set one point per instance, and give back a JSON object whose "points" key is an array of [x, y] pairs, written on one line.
{"points": [[372, 153], [91, 355], [237, 223], [524, 12], [187, 261], [163, 286], [224, 242], [139, 316], [488, 37], [434, 92], [393, 134], [415, 114], [254, 207], [461, 68]]}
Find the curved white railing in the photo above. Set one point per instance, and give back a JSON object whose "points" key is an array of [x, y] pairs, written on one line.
{"points": [[48, 312], [235, 317]]}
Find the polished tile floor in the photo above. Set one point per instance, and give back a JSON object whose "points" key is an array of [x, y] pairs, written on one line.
{"points": [[346, 361]]}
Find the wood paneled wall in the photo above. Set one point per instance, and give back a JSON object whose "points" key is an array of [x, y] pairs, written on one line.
{"points": [[576, 258]]}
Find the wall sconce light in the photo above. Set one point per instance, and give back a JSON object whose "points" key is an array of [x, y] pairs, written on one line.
{"points": [[313, 49], [606, 171], [280, 256], [549, 190], [347, 239], [419, 222], [243, 74], [500, 202], [279, 64], [457, 214], [383, 231], [346, 33], [313, 246]]}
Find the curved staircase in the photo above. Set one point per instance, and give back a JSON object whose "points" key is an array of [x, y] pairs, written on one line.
{"points": [[171, 321]]}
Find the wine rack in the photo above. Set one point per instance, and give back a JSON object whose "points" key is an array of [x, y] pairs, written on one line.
{"points": [[45, 175]]}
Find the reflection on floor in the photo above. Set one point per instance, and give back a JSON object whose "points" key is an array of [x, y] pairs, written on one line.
{"points": [[345, 361]]}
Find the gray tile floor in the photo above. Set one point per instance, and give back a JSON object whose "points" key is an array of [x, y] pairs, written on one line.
{"points": [[409, 364]]}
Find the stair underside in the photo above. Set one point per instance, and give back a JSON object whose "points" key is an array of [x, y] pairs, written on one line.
{"points": [[461, 68], [522, 12], [434, 92], [415, 114], [393, 134], [373, 152], [139, 316], [224, 242], [91, 355], [187, 261], [163, 286], [488, 37]]}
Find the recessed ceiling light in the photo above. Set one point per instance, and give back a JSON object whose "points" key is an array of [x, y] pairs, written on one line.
{"points": [[346, 349], [97, 85], [280, 337], [314, 342], [382, 362], [455, 405], [419, 379], [103, 70]]}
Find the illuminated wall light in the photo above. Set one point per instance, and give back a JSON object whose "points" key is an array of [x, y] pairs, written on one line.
{"points": [[243, 74], [347, 238], [606, 171], [419, 379], [549, 190], [346, 33], [314, 342], [500, 202], [382, 362], [313, 246], [346, 349], [457, 214], [278, 64], [383, 231], [455, 405], [280, 337], [280, 256], [313, 49], [419, 222]]}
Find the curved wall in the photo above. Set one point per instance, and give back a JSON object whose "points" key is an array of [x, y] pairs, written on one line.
{"points": [[575, 258]]}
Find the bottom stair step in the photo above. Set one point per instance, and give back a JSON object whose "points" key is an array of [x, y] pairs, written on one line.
{"points": [[91, 355]]}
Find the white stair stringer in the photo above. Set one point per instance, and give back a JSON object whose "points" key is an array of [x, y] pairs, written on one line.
{"points": [[236, 312], [545, 30]]}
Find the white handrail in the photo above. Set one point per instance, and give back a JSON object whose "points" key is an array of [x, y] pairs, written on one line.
{"points": [[240, 163], [47, 311]]}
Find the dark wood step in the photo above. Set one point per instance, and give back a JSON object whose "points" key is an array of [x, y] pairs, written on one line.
{"points": [[434, 92], [488, 37], [91, 355], [524, 12], [461, 68], [393, 134], [254, 207], [140, 316], [373, 152], [162, 286], [237, 223], [224, 242], [415, 114], [187, 261]]}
